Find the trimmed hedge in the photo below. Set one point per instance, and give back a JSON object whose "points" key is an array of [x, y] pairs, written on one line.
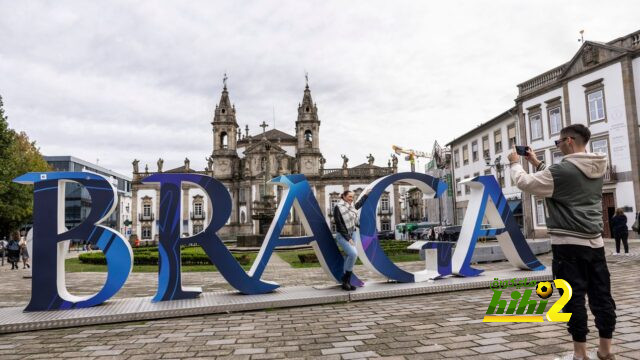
{"points": [[149, 256]]}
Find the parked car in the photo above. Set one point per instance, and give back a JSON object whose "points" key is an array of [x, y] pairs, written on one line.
{"points": [[386, 235], [450, 233]]}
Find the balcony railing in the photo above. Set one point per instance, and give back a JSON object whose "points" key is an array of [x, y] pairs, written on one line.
{"points": [[610, 175], [198, 216], [143, 217], [387, 211], [359, 172]]}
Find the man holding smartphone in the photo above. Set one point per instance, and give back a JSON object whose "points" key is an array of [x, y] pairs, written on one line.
{"points": [[573, 197]]}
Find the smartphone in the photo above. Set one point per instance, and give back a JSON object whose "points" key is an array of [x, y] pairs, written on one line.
{"points": [[522, 150]]}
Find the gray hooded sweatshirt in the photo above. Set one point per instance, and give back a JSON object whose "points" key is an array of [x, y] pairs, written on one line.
{"points": [[573, 196]]}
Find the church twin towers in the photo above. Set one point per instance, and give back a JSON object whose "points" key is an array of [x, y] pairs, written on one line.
{"points": [[244, 157]]}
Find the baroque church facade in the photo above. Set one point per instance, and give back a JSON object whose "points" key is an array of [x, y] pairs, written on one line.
{"points": [[244, 163]]}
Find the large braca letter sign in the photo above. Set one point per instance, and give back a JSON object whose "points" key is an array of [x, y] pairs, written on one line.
{"points": [[50, 235], [48, 288], [486, 200]]}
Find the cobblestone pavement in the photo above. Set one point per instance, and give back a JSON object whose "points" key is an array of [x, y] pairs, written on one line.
{"points": [[436, 326]]}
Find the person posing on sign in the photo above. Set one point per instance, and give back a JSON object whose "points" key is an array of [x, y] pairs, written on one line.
{"points": [[573, 197], [345, 215]]}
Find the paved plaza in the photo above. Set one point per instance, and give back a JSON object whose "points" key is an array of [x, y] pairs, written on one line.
{"points": [[435, 326]]}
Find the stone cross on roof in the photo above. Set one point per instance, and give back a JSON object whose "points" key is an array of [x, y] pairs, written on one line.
{"points": [[263, 126]]}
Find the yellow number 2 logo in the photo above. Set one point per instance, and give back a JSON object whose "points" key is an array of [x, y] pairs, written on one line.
{"points": [[554, 313]]}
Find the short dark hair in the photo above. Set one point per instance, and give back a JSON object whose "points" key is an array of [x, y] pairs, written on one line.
{"points": [[578, 132], [345, 193]]}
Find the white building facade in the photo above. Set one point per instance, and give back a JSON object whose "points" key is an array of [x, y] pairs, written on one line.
{"points": [[483, 151], [596, 88]]}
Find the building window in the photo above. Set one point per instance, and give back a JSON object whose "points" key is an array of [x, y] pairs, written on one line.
{"points": [[467, 189], [384, 204], [146, 210], [243, 217], [600, 146], [241, 195], [535, 124], [465, 155], [511, 133], [485, 147], [385, 225], [474, 151], [540, 156], [197, 228], [487, 172], [595, 102], [456, 158], [540, 220], [497, 139], [476, 174], [197, 209], [458, 187], [555, 121], [556, 157], [146, 232]]}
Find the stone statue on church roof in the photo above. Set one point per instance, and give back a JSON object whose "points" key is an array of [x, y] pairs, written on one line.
{"points": [[345, 161], [370, 159], [135, 165]]}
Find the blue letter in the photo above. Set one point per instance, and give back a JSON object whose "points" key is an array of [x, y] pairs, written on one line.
{"points": [[297, 193], [375, 258], [169, 280], [487, 200], [49, 234]]}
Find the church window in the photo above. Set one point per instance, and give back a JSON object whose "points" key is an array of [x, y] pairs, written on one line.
{"points": [[243, 217], [308, 137], [223, 111], [224, 140], [307, 109], [263, 163]]}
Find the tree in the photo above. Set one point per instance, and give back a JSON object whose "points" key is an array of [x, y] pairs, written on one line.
{"points": [[18, 155]]}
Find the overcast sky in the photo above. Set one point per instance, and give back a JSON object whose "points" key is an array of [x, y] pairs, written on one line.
{"points": [[122, 80]]}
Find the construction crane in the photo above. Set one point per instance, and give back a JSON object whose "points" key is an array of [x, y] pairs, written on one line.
{"points": [[411, 155]]}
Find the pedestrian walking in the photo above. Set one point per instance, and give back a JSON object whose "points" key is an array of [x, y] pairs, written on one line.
{"points": [[13, 249], [620, 230], [572, 190], [345, 215], [24, 253]]}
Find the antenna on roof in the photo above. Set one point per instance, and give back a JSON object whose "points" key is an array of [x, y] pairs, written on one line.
{"points": [[581, 36]]}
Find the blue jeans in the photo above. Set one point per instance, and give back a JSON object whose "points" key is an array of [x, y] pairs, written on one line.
{"points": [[349, 250]]}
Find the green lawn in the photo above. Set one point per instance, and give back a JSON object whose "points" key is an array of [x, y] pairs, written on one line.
{"points": [[74, 265]]}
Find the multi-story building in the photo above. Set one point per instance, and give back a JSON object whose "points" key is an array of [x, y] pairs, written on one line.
{"points": [[78, 201], [483, 151], [244, 163], [597, 87]]}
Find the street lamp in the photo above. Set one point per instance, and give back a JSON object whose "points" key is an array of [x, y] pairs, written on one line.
{"points": [[497, 165]]}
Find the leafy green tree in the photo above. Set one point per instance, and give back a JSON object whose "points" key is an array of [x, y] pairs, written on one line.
{"points": [[18, 155]]}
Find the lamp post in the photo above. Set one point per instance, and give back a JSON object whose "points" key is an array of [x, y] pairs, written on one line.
{"points": [[497, 164]]}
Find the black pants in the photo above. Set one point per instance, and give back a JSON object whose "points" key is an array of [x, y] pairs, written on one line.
{"points": [[622, 236], [585, 269]]}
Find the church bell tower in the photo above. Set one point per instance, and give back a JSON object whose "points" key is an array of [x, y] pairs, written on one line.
{"points": [[308, 135]]}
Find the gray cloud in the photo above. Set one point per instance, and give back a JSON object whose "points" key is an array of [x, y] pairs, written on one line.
{"points": [[124, 80]]}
